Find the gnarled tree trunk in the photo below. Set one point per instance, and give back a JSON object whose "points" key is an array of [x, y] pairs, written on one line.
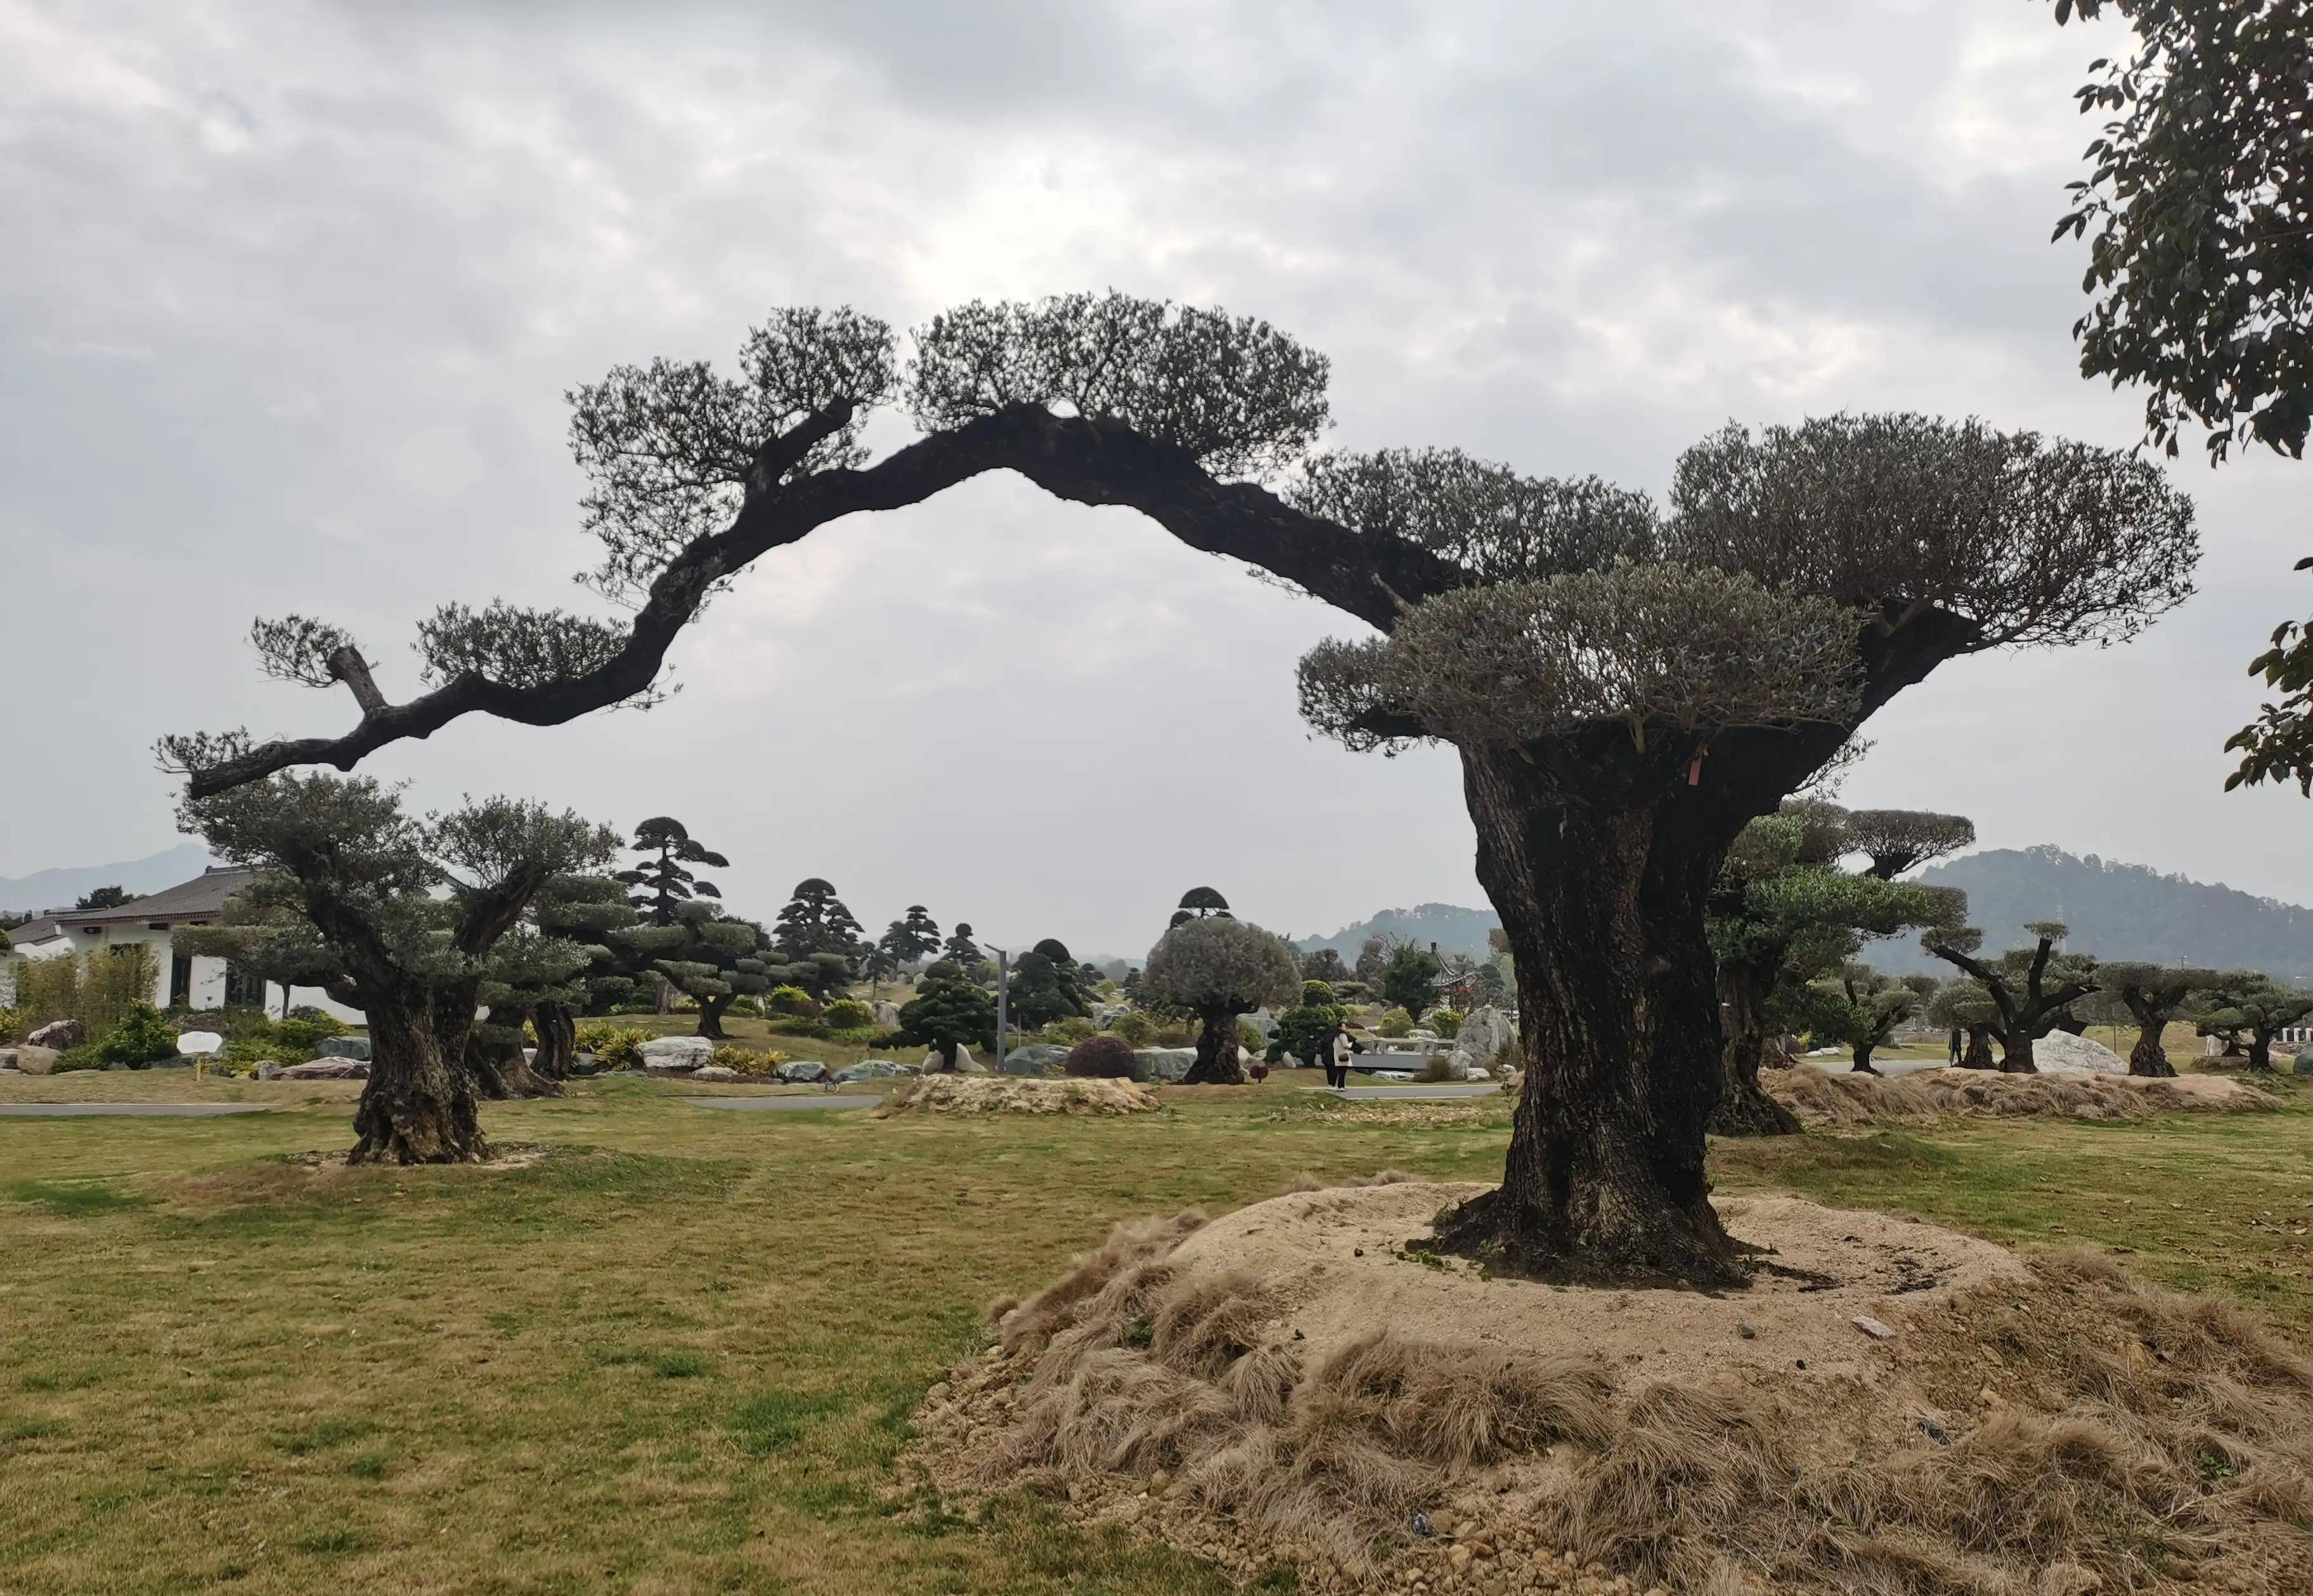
{"points": [[1216, 1062], [1603, 908], [1743, 1108], [710, 1017], [558, 1041], [2015, 1054], [1978, 1052], [2148, 1057], [1861, 1053], [419, 1107]]}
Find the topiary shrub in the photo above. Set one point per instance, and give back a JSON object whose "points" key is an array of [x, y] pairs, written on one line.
{"points": [[1395, 1023], [1073, 1029], [1102, 1058], [306, 1033], [795, 1002], [1433, 1072], [87, 1056], [1137, 1028], [1446, 1022], [142, 1038], [1249, 1036], [848, 1014]]}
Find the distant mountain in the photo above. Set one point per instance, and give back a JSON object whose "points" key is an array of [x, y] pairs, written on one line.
{"points": [[61, 888], [2115, 910], [1454, 931]]}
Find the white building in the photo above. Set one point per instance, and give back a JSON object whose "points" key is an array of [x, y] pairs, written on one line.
{"points": [[183, 981]]}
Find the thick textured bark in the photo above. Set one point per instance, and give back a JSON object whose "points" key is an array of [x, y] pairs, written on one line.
{"points": [[1216, 1062], [1862, 1051], [1743, 1108], [710, 1017], [1619, 1018], [2015, 1054], [2260, 1052], [558, 1041], [417, 1107], [1978, 1053], [2148, 1057]]}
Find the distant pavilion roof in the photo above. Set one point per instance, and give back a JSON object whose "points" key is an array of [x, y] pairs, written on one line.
{"points": [[201, 898]]}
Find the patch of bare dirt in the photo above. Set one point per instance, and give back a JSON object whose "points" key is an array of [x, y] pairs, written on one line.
{"points": [[1891, 1409], [1823, 1099], [996, 1094]]}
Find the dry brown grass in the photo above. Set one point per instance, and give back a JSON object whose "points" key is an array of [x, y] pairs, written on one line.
{"points": [[996, 1094], [2063, 1432], [1823, 1099]]}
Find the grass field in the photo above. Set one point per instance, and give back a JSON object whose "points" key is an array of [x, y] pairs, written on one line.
{"points": [[678, 1354]]}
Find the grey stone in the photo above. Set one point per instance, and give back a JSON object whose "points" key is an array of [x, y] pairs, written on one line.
{"points": [[1260, 1022], [803, 1071], [1038, 1058], [582, 1064], [676, 1056], [321, 1069], [343, 1047], [59, 1035], [1875, 1329], [1461, 1066], [36, 1061], [871, 1069], [887, 1014], [1485, 1034], [2060, 1053], [1165, 1064], [715, 1072]]}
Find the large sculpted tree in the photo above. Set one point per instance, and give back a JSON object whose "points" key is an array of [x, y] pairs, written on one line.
{"points": [[2151, 995], [397, 916], [1218, 968], [2031, 989], [1626, 687]]}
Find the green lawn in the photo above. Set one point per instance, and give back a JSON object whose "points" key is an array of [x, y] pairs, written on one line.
{"points": [[678, 1354]]}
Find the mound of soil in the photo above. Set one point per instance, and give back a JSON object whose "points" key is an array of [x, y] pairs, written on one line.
{"points": [[1001, 1094], [1821, 1099], [1890, 1408]]}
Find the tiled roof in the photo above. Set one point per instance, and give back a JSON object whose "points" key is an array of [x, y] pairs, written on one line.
{"points": [[197, 899], [35, 930]]}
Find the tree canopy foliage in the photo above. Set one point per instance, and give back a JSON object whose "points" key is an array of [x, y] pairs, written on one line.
{"points": [[1218, 968]]}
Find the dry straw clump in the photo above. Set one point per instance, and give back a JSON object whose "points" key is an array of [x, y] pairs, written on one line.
{"points": [[992, 1094], [1823, 1099], [2053, 1430]]}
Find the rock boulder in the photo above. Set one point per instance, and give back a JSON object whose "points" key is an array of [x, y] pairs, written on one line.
{"points": [[59, 1035], [36, 1061], [715, 1072], [803, 1071], [871, 1069], [324, 1069], [1485, 1033], [355, 1047], [676, 1056], [2060, 1053], [1038, 1058], [1165, 1064]]}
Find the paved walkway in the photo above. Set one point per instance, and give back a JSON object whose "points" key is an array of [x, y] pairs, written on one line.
{"points": [[1451, 1089], [135, 1110], [764, 1105]]}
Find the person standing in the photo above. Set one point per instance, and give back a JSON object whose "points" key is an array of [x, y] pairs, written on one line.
{"points": [[1958, 1046], [1338, 1046]]}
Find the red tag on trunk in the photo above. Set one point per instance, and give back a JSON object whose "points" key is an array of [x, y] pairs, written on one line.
{"points": [[1694, 772]]}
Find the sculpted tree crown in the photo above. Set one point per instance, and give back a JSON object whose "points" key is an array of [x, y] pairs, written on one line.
{"points": [[1529, 606], [1221, 963]]}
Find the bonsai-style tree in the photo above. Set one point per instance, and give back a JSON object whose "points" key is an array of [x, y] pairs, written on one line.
{"points": [[816, 920], [661, 881], [961, 950], [1218, 968], [1898, 842], [1047, 985], [584, 909], [1373, 954], [347, 901], [103, 897], [1303, 1029], [913, 937], [1198, 903], [1410, 978], [2201, 199], [1963, 1005], [948, 1010], [1325, 964], [2153, 995], [1782, 917], [713, 960], [2029, 991], [1870, 1007], [2250, 1006], [1627, 688], [527, 976]]}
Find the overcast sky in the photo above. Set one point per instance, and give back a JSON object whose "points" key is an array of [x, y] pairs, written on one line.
{"points": [[292, 293]]}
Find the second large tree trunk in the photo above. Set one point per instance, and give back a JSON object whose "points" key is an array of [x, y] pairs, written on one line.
{"points": [[710, 1017], [2148, 1057], [1216, 1062], [1603, 908], [1743, 1108], [2015, 1054], [558, 1041], [418, 1107], [1978, 1054]]}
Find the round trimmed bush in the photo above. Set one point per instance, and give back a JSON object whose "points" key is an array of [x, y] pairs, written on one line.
{"points": [[1103, 1057], [849, 1014]]}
